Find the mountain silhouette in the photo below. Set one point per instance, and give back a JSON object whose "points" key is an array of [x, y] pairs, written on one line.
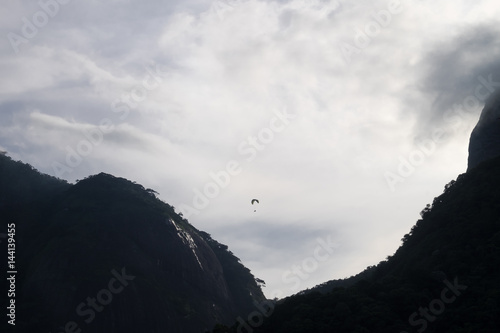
{"points": [[442, 279], [106, 255], [484, 141]]}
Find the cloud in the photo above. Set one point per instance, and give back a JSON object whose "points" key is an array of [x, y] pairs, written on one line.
{"points": [[451, 72], [185, 84]]}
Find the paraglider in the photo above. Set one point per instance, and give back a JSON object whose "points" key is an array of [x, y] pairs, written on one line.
{"points": [[255, 201]]}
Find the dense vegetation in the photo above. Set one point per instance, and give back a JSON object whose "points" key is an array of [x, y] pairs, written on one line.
{"points": [[443, 278]]}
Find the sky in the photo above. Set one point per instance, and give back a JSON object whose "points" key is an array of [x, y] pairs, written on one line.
{"points": [[344, 119]]}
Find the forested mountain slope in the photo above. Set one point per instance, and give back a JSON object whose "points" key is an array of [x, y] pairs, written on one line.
{"points": [[443, 278], [105, 255]]}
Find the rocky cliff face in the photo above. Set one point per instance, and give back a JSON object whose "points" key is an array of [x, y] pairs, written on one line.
{"points": [[105, 255], [485, 138]]}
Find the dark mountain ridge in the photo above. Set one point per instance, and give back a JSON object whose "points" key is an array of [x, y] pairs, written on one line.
{"points": [[443, 278], [105, 255], [484, 142]]}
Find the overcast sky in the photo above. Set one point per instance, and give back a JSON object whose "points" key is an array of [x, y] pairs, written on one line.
{"points": [[343, 118]]}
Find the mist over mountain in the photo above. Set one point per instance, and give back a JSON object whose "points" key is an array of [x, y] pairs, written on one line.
{"points": [[105, 255]]}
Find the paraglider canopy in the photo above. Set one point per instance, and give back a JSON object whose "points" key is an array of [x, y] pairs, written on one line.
{"points": [[255, 201]]}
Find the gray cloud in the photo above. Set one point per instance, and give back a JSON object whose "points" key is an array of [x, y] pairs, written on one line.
{"points": [[223, 76], [450, 73]]}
